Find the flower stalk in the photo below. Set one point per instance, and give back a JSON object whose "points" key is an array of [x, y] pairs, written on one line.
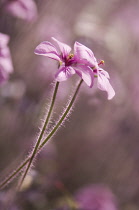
{"points": [[20, 168], [41, 134], [63, 116]]}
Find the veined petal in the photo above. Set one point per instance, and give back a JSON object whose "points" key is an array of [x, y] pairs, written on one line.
{"points": [[47, 49], [64, 48], [104, 84], [105, 73], [86, 73], [84, 55], [64, 73]]}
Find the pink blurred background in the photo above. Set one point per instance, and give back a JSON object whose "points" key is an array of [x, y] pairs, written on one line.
{"points": [[99, 143]]}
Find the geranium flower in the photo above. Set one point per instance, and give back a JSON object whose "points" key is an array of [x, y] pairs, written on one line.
{"points": [[82, 62], [87, 61], [62, 55], [67, 60], [6, 66], [24, 9]]}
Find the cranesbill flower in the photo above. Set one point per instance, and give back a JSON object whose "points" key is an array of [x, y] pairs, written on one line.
{"points": [[24, 9], [62, 55], [87, 62], [67, 61], [82, 62], [6, 66]]}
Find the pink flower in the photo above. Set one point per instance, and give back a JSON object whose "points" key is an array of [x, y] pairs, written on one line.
{"points": [[82, 62], [87, 62], [62, 55], [67, 61], [24, 9], [6, 66]]}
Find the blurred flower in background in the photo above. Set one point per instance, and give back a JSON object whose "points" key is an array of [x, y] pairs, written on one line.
{"points": [[90, 197], [95, 197], [6, 66], [26, 10]]}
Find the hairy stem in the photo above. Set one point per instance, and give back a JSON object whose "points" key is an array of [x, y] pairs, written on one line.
{"points": [[47, 138], [63, 116], [41, 134], [19, 169]]}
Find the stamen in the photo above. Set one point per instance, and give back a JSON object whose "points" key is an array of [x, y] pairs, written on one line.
{"points": [[60, 63], [70, 55], [101, 62], [94, 68]]}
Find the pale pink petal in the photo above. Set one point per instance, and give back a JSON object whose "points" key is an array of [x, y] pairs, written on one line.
{"points": [[6, 64], [84, 55], [104, 84], [64, 48], [64, 73], [25, 9], [47, 49], [86, 73], [4, 39], [3, 75], [5, 56], [105, 73]]}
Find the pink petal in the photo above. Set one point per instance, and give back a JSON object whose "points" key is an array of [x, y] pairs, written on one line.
{"points": [[64, 48], [5, 57], [47, 49], [64, 73], [3, 75], [105, 73], [104, 84], [6, 65], [84, 55], [25, 9], [86, 73], [4, 39]]}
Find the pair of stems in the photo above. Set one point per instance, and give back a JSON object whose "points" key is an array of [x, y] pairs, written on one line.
{"points": [[40, 145], [41, 134]]}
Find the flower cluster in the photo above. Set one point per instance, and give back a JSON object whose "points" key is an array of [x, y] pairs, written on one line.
{"points": [[6, 66], [81, 62]]}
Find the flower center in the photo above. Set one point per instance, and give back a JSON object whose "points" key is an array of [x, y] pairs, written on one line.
{"points": [[95, 68], [70, 56], [67, 60]]}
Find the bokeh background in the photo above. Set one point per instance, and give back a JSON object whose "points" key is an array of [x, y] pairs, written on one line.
{"points": [[98, 145]]}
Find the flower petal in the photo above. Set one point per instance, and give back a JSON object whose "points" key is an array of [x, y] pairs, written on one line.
{"points": [[47, 49], [4, 39], [86, 73], [104, 84], [64, 73], [3, 75], [64, 48], [6, 64], [84, 55], [105, 73]]}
